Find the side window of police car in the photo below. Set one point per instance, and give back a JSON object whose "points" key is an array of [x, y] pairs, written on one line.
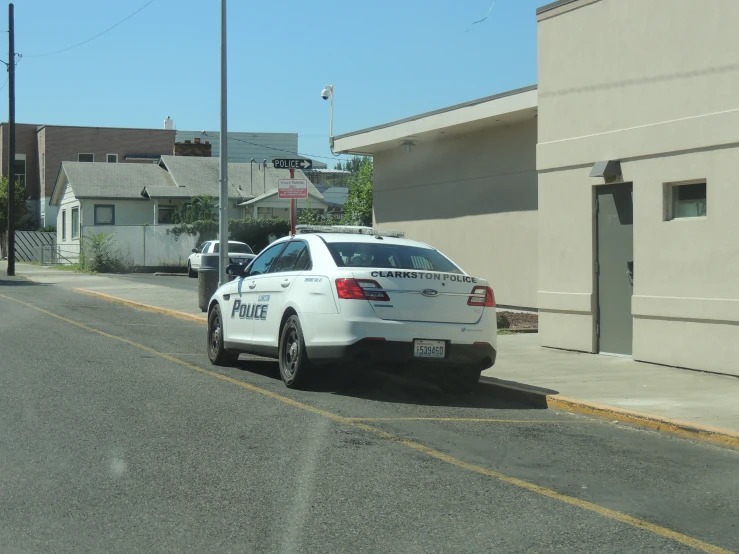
{"points": [[293, 258], [262, 263]]}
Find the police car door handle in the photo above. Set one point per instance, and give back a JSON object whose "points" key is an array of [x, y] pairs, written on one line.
{"points": [[253, 284], [285, 283]]}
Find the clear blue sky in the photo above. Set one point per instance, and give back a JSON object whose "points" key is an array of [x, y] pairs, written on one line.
{"points": [[388, 59]]}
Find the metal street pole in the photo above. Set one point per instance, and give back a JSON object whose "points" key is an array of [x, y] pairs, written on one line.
{"points": [[223, 161], [11, 142]]}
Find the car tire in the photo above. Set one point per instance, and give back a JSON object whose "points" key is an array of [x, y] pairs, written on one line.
{"points": [[293, 360], [460, 381], [217, 353], [190, 273]]}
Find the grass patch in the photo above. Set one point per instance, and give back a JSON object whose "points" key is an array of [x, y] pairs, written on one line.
{"points": [[505, 332]]}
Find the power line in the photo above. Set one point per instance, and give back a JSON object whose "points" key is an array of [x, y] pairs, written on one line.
{"points": [[93, 38], [5, 83]]}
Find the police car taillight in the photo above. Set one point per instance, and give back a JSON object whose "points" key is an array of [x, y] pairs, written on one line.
{"points": [[482, 296], [360, 289]]}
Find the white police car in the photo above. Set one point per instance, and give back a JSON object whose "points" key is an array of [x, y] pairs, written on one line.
{"points": [[352, 296]]}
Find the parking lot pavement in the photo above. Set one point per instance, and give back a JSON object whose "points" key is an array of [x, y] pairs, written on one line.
{"points": [[617, 388], [119, 436]]}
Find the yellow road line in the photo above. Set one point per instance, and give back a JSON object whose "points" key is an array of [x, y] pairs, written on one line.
{"points": [[583, 504], [683, 429], [467, 419], [147, 307]]}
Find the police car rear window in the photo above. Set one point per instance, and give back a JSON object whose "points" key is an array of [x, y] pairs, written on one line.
{"points": [[389, 256]]}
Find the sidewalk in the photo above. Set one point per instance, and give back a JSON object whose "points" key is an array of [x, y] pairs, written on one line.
{"points": [[166, 298], [680, 401]]}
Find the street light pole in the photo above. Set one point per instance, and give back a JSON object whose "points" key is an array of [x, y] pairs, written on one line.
{"points": [[11, 141], [223, 158]]}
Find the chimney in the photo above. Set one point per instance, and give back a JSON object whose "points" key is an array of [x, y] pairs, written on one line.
{"points": [[197, 140], [195, 148]]}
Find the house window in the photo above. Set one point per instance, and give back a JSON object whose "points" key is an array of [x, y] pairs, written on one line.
{"points": [[165, 214], [85, 157], [264, 213], [112, 158], [64, 224], [686, 200], [75, 223], [19, 168], [104, 214]]}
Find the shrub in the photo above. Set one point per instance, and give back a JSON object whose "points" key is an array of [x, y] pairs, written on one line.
{"points": [[503, 321], [96, 253], [48, 229], [254, 232]]}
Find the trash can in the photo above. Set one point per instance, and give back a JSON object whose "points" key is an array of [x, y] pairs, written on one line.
{"points": [[207, 279]]}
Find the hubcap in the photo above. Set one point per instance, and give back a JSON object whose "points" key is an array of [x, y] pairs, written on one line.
{"points": [[291, 353], [215, 335]]}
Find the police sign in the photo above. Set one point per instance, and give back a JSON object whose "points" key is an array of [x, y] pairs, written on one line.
{"points": [[292, 163]]}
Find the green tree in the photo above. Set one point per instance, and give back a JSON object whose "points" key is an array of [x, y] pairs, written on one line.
{"points": [[358, 207], [21, 209], [200, 208]]}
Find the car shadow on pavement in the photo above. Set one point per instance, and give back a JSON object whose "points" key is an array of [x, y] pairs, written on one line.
{"points": [[408, 388]]}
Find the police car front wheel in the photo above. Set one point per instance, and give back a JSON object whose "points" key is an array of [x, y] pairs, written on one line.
{"points": [[217, 352], [293, 358]]}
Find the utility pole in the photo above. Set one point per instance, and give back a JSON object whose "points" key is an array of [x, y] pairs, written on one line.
{"points": [[223, 162], [11, 143]]}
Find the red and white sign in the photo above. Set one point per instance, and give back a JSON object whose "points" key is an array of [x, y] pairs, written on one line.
{"points": [[292, 188]]}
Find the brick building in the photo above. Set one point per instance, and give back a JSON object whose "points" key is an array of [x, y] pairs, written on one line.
{"points": [[41, 149]]}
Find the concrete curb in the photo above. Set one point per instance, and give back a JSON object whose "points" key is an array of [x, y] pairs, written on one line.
{"points": [[541, 398], [147, 307], [533, 396], [162, 274]]}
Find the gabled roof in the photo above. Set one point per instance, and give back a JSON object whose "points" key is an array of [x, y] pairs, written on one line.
{"points": [[199, 176], [180, 177], [106, 180]]}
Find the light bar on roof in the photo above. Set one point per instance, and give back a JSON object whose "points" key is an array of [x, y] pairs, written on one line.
{"points": [[351, 229]]}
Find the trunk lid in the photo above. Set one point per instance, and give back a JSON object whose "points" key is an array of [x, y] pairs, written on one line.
{"points": [[428, 296]]}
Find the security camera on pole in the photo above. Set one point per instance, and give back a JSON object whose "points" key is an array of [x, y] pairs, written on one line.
{"points": [[326, 93]]}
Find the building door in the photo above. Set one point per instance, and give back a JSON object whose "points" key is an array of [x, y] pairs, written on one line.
{"points": [[615, 267]]}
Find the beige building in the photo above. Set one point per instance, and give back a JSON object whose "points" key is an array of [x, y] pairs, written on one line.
{"points": [[628, 247], [659, 99], [464, 180]]}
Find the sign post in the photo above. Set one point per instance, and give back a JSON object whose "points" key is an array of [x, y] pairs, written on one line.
{"points": [[292, 188]]}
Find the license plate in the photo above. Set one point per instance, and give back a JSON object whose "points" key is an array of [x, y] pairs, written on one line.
{"points": [[429, 348]]}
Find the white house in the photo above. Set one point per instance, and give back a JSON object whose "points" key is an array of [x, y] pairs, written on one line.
{"points": [[101, 197]]}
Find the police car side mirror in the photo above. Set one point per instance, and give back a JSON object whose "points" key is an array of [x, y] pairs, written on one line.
{"points": [[194, 250]]}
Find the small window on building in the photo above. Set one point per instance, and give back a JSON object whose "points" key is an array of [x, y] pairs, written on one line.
{"points": [[75, 223], [19, 168], [686, 200], [112, 158], [85, 157], [43, 168], [104, 214], [64, 224], [165, 215]]}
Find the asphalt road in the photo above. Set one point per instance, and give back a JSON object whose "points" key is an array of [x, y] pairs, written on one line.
{"points": [[116, 435]]}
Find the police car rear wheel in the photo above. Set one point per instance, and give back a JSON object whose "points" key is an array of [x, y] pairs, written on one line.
{"points": [[190, 272], [217, 352], [293, 359]]}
